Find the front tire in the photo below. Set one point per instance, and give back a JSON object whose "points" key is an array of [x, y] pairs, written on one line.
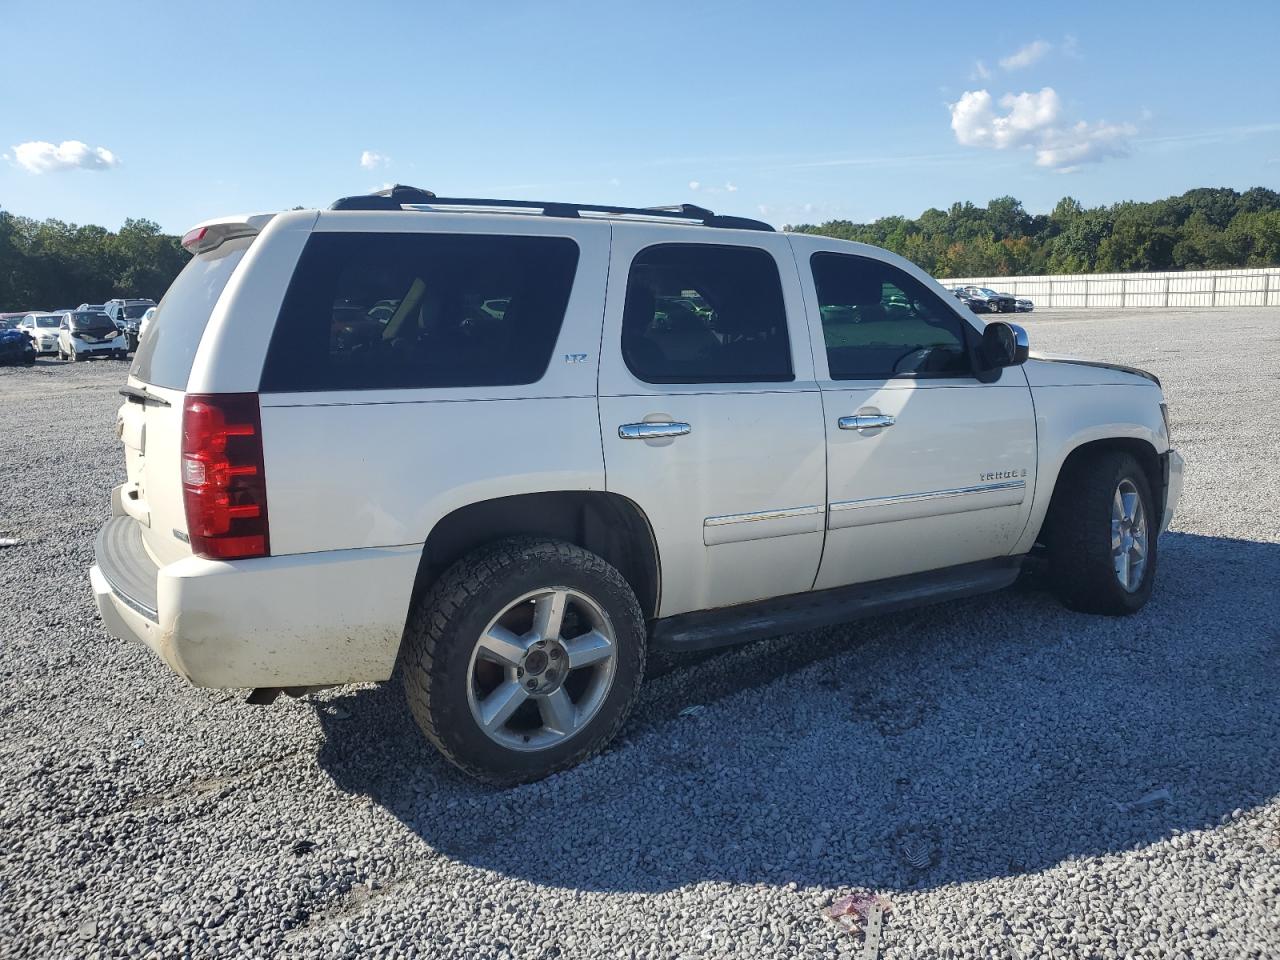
{"points": [[524, 658], [1102, 530]]}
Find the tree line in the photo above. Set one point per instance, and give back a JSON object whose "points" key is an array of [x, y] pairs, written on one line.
{"points": [[46, 264], [1201, 229]]}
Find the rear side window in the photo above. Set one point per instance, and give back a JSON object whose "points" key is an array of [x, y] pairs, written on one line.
{"points": [[879, 322], [373, 311], [700, 313], [168, 349]]}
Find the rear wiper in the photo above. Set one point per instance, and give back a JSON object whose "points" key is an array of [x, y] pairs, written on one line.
{"points": [[134, 395]]}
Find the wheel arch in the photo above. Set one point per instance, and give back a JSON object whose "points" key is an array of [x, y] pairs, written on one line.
{"points": [[609, 525], [1140, 449]]}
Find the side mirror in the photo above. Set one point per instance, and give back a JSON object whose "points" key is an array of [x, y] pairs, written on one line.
{"points": [[1003, 345]]}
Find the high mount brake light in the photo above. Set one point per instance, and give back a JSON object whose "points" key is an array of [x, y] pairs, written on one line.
{"points": [[224, 485], [191, 240], [203, 239]]}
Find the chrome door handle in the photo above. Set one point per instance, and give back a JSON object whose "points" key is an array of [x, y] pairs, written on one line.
{"points": [[865, 421], [652, 431]]}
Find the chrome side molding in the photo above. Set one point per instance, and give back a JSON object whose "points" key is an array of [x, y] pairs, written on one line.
{"points": [[922, 497], [762, 524]]}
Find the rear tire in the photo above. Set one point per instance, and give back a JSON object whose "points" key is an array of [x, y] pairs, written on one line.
{"points": [[559, 714], [1099, 561]]}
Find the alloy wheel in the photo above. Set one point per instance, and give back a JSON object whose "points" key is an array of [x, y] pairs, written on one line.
{"points": [[1128, 535], [542, 668]]}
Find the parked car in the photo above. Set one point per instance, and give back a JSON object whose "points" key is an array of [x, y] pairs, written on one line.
{"points": [[14, 315], [143, 323], [83, 334], [16, 347], [123, 311], [516, 505], [127, 316], [1024, 306], [42, 328], [996, 302], [976, 304]]}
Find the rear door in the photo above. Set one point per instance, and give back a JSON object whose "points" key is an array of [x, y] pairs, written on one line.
{"points": [[709, 413], [928, 466]]}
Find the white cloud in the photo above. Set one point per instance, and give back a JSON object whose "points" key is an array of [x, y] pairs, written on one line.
{"points": [[730, 188], [1069, 149], [694, 184], [980, 71], [40, 156], [1033, 120], [1026, 56], [371, 160], [976, 123]]}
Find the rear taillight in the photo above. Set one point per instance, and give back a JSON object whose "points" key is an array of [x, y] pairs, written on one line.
{"points": [[224, 487]]}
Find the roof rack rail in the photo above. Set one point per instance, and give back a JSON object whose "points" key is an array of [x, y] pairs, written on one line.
{"points": [[392, 198]]}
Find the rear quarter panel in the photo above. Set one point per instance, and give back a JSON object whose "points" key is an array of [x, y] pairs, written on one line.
{"points": [[376, 468]]}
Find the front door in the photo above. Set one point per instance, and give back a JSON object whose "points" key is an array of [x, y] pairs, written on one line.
{"points": [[710, 417], [927, 466]]}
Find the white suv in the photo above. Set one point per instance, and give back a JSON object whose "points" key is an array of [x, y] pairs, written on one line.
{"points": [[512, 446]]}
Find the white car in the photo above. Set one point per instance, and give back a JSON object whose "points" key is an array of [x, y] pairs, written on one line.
{"points": [[581, 433], [42, 328], [144, 323], [85, 334]]}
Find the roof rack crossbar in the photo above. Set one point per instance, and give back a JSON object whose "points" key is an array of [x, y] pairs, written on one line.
{"points": [[393, 198]]}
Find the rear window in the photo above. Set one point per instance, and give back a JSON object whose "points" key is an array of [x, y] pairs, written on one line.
{"points": [[168, 348], [373, 311]]}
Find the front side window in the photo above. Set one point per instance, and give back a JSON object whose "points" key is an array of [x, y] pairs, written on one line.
{"points": [[699, 313], [376, 311], [879, 322]]}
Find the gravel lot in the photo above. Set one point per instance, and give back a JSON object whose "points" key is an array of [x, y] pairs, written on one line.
{"points": [[999, 742]]}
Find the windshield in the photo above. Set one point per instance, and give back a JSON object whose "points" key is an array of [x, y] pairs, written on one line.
{"points": [[91, 321], [135, 310], [989, 292], [49, 321]]}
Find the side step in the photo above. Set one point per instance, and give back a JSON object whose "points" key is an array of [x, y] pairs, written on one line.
{"points": [[704, 629]]}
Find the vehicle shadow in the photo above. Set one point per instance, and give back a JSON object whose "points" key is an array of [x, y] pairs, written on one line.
{"points": [[977, 740]]}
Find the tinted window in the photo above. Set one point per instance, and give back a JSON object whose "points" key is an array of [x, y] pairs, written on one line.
{"points": [[166, 353], [697, 313], [370, 311], [880, 322]]}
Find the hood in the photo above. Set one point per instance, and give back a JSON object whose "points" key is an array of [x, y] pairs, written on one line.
{"points": [[1048, 370], [13, 336]]}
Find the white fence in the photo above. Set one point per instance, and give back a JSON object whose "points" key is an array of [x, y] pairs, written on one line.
{"points": [[1258, 287]]}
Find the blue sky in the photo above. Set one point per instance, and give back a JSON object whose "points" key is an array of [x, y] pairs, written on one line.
{"points": [[792, 112]]}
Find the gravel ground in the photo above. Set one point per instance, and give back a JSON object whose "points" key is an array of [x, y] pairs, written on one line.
{"points": [[1000, 744]]}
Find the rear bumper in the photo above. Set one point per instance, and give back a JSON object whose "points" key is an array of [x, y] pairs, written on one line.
{"points": [[1173, 466], [302, 620]]}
